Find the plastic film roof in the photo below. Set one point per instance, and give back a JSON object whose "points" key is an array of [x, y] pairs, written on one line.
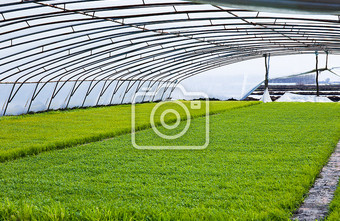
{"points": [[319, 6], [103, 48]]}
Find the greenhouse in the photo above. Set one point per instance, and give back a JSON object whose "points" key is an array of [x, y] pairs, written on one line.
{"points": [[169, 110], [72, 53]]}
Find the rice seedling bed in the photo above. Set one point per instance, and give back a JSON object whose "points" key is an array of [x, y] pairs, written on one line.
{"points": [[31, 134], [259, 165]]}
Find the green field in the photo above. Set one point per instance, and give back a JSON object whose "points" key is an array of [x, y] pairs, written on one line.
{"points": [[259, 165], [32, 134], [334, 212]]}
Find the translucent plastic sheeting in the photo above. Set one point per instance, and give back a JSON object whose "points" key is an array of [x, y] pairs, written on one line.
{"points": [[74, 53], [319, 6]]}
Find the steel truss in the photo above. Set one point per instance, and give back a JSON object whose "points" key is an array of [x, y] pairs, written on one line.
{"points": [[114, 49]]}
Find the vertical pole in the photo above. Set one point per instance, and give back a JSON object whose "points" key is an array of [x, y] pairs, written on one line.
{"points": [[266, 81], [317, 74], [266, 96]]}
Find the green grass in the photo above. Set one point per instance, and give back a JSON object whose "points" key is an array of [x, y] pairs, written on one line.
{"points": [[334, 210], [259, 165], [32, 134]]}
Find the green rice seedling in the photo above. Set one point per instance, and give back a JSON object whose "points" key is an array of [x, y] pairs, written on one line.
{"points": [[334, 209], [259, 165], [31, 134]]}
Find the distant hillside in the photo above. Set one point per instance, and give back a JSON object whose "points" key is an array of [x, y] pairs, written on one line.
{"points": [[302, 80], [305, 79]]}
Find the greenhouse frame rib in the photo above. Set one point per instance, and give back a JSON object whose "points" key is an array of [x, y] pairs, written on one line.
{"points": [[105, 51]]}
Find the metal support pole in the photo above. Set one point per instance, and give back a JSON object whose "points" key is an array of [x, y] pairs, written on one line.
{"points": [[87, 94], [156, 91], [33, 97], [125, 92], [72, 93], [53, 95], [266, 81], [175, 83], [317, 74], [114, 92], [9, 99], [147, 90], [101, 92]]}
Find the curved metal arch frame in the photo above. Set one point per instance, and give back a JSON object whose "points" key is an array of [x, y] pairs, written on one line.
{"points": [[153, 48]]}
